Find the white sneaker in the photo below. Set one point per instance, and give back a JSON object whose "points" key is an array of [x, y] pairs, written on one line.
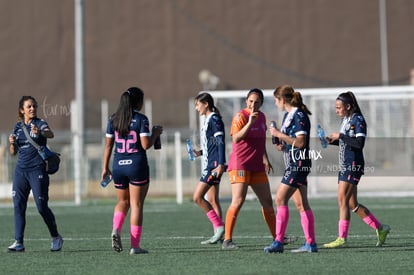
{"points": [[218, 234], [16, 247], [137, 251]]}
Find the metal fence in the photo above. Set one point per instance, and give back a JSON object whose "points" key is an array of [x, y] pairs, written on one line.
{"points": [[388, 152], [389, 157]]}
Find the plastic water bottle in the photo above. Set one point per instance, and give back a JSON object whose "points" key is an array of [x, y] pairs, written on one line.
{"points": [[190, 150], [106, 181], [157, 142], [321, 135], [275, 140]]}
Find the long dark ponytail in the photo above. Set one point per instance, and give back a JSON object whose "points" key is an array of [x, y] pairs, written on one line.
{"points": [[349, 98], [131, 99], [207, 98]]}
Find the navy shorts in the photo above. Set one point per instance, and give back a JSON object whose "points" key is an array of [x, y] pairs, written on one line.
{"points": [[208, 178], [130, 174], [351, 177], [296, 176]]}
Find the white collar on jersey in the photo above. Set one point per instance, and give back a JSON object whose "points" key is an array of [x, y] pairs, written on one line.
{"points": [[288, 119], [207, 118], [345, 123]]}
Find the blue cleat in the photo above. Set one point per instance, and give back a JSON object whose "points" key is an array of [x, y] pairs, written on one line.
{"points": [[310, 248], [57, 243], [275, 247]]}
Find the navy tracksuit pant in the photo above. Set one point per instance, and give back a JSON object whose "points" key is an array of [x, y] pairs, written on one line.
{"points": [[36, 180]]}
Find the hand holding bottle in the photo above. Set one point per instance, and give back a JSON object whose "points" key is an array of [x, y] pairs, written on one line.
{"points": [[322, 137], [157, 130], [190, 151], [275, 140], [107, 179]]}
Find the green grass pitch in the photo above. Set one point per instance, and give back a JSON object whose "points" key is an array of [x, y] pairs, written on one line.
{"points": [[172, 234]]}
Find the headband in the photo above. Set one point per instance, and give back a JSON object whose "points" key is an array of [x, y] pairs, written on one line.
{"points": [[344, 100]]}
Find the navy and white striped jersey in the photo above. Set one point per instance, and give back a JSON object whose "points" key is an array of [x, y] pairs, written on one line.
{"points": [[354, 126], [295, 124], [213, 142]]}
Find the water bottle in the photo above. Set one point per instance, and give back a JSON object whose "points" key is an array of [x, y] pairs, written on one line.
{"points": [[106, 181], [321, 135], [275, 140], [190, 150], [157, 142]]}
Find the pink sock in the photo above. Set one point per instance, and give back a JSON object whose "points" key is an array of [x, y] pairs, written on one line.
{"points": [[214, 219], [282, 219], [308, 226], [343, 227], [372, 221], [136, 231], [118, 221]]}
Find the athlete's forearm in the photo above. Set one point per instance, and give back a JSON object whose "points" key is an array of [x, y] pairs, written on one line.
{"points": [[221, 149], [240, 135], [12, 149], [109, 143], [357, 143], [47, 133]]}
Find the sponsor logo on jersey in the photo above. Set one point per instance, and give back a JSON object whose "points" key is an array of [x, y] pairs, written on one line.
{"points": [[125, 162]]}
